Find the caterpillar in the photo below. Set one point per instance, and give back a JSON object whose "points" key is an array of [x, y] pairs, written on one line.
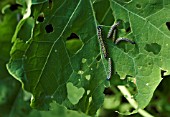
{"points": [[112, 28], [124, 39], [101, 41], [109, 69], [114, 35]]}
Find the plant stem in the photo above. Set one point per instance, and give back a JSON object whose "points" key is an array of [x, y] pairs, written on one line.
{"points": [[132, 102]]}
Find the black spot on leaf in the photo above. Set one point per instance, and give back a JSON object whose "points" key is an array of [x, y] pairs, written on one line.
{"points": [[49, 28], [153, 47], [168, 25]]}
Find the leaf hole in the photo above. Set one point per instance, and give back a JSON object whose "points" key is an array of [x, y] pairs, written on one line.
{"points": [[41, 17], [49, 28], [127, 27], [128, 30], [98, 58], [163, 74], [153, 47], [73, 43], [168, 25], [138, 6], [73, 36]]}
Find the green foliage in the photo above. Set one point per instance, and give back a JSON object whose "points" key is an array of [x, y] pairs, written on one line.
{"points": [[10, 89], [53, 65]]}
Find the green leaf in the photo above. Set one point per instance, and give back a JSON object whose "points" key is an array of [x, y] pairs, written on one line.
{"points": [[144, 60], [12, 100], [56, 111], [44, 66], [103, 12], [27, 12]]}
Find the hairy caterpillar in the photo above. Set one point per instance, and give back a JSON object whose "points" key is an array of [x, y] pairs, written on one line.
{"points": [[101, 41], [112, 28], [124, 39], [109, 68]]}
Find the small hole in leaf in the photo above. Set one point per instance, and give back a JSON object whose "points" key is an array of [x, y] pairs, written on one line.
{"points": [[128, 30], [50, 2], [98, 58], [73, 43], [127, 27], [14, 7], [153, 47], [49, 28], [40, 17], [124, 100], [73, 36], [168, 25], [138, 6], [163, 74]]}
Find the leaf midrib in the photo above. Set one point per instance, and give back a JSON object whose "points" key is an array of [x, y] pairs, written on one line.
{"points": [[55, 43]]}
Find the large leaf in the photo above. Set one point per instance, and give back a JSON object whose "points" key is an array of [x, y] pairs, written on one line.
{"points": [[44, 66], [150, 55], [13, 101]]}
